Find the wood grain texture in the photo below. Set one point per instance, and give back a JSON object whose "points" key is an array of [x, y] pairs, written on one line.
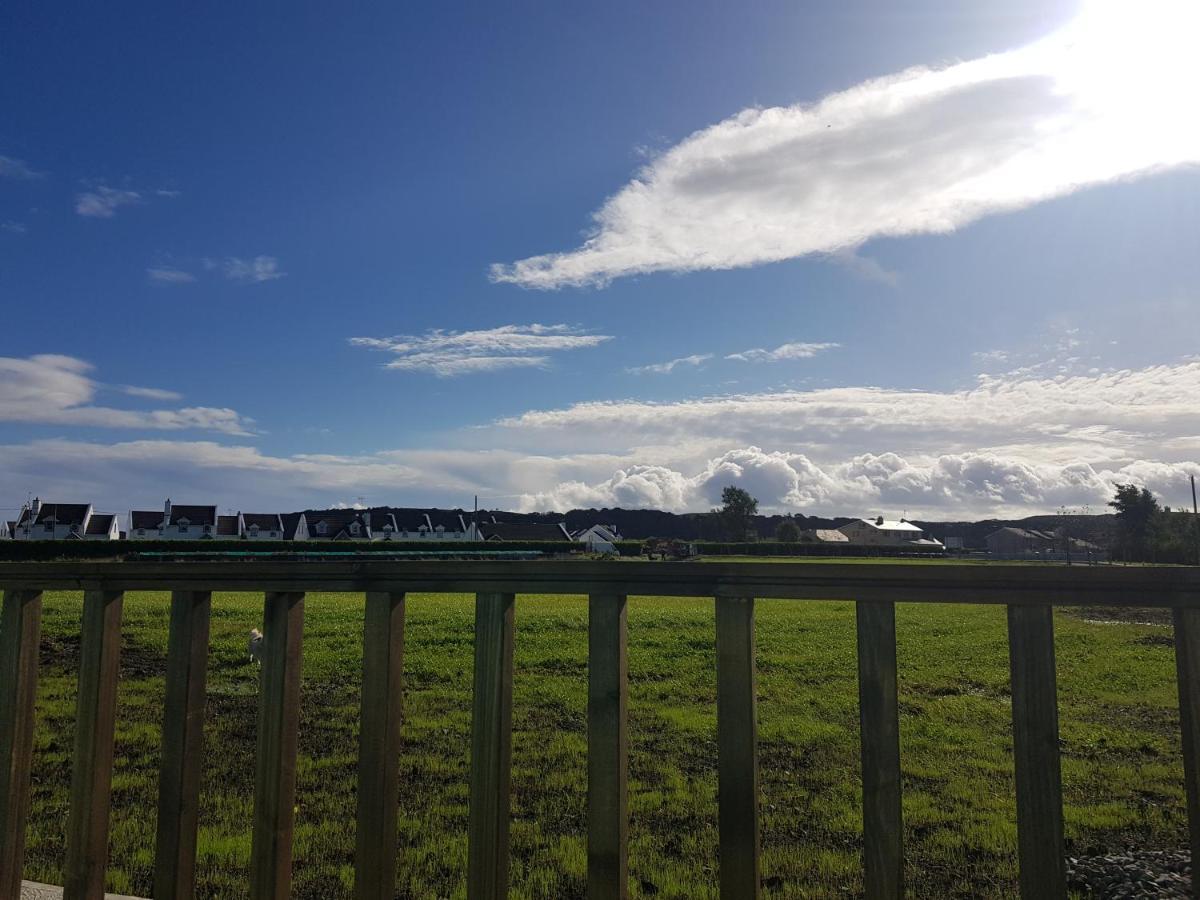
{"points": [[886, 582], [608, 748], [379, 747], [20, 634], [737, 751], [278, 727], [1035, 753], [883, 827], [1187, 667], [182, 746], [91, 775], [491, 748]]}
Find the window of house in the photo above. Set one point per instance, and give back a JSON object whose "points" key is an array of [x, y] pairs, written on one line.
{"points": [[183, 529], [50, 527]]}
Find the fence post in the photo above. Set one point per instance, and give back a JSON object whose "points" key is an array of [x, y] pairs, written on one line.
{"points": [[608, 748], [491, 748], [91, 776], [379, 747], [20, 634], [1043, 872], [182, 746], [1187, 670], [879, 723], [737, 757], [278, 728]]}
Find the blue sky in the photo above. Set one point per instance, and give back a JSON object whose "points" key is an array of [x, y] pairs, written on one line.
{"points": [[973, 292]]}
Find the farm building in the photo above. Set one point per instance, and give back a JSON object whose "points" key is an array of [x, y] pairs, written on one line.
{"points": [[1016, 542], [599, 538], [881, 532], [523, 531]]}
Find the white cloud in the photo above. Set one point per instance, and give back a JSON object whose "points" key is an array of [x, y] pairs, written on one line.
{"points": [[14, 227], [57, 390], [168, 275], [150, 393], [451, 353], [170, 195], [924, 151], [665, 368], [103, 202], [785, 351], [18, 169], [248, 271]]}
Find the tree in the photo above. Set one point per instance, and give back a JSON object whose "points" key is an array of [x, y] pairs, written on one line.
{"points": [[1138, 515], [788, 532], [737, 512]]}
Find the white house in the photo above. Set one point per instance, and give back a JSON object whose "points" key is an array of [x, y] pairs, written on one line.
{"points": [[339, 525], [881, 532], [40, 521], [260, 526], [175, 522], [599, 538]]}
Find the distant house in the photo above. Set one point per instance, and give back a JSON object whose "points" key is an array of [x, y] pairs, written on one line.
{"points": [[260, 526], [295, 527], [599, 538], [338, 525], [1015, 542], [40, 521], [523, 531], [175, 522], [228, 528], [881, 532], [102, 527]]}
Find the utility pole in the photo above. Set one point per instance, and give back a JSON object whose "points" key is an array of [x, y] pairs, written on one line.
{"points": [[1196, 516]]}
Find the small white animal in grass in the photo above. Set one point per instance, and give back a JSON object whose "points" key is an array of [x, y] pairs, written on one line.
{"points": [[256, 646]]}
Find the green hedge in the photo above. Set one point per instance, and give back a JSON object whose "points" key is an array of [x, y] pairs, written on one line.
{"points": [[782, 548], [48, 550]]}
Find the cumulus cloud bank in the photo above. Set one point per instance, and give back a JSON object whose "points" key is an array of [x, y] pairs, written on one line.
{"points": [[57, 390], [922, 151], [451, 353]]}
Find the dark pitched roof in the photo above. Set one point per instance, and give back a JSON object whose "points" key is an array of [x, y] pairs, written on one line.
{"points": [[265, 521], [196, 515], [379, 519], [62, 513], [336, 520], [449, 519], [291, 521], [523, 531], [100, 523], [227, 526], [145, 518]]}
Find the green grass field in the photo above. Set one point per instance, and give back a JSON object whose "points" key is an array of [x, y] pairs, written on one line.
{"points": [[1121, 765]]}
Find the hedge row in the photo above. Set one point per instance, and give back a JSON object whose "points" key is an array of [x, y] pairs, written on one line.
{"points": [[784, 548], [49, 550]]}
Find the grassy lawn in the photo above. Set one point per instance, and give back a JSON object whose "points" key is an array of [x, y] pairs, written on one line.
{"points": [[1121, 764]]}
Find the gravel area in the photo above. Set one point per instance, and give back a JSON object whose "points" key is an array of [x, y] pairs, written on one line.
{"points": [[1137, 873]]}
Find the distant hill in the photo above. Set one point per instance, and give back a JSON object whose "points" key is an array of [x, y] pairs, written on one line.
{"points": [[646, 523]]}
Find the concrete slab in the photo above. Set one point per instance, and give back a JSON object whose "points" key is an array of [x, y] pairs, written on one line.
{"points": [[31, 890]]}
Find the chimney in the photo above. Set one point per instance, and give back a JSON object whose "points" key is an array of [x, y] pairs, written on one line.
{"points": [[879, 520], [34, 508], [167, 512]]}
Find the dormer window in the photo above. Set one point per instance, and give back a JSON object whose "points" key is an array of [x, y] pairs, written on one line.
{"points": [[322, 528], [354, 528], [254, 531]]}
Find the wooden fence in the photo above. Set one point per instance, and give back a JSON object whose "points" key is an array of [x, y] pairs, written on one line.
{"points": [[1029, 592]]}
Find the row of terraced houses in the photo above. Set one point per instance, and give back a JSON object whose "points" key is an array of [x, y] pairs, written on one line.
{"points": [[40, 521]]}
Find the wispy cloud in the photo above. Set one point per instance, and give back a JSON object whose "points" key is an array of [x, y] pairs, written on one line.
{"points": [[782, 352], [18, 169], [665, 368], [168, 275], [924, 151], [247, 271], [170, 195], [103, 201], [14, 227], [452, 353], [150, 393], [58, 390]]}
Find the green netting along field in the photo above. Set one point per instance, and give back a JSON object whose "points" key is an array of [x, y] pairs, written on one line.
{"points": [[1121, 764]]}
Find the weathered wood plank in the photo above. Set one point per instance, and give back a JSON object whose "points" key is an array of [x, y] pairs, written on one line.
{"points": [[379, 747], [883, 829], [885, 582], [1035, 751], [278, 727], [491, 748], [182, 746], [737, 754], [20, 634], [91, 776], [608, 748], [1187, 668]]}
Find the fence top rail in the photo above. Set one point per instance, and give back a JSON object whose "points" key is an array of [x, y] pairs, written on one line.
{"points": [[909, 583]]}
